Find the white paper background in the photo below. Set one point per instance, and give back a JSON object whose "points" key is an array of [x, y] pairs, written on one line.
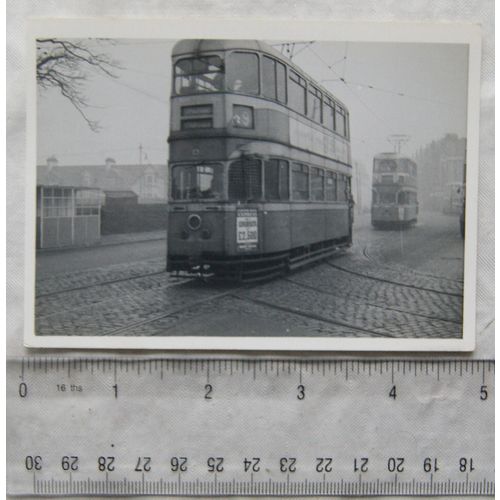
{"points": [[478, 12]]}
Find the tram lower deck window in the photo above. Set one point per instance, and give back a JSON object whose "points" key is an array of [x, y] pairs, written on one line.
{"points": [[342, 187], [317, 184], [276, 180], [386, 198], [194, 182], [300, 182], [331, 186]]}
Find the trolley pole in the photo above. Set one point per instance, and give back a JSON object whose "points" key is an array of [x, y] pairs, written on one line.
{"points": [[397, 140]]}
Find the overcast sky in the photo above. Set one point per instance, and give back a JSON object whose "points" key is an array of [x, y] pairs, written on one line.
{"points": [[414, 89]]}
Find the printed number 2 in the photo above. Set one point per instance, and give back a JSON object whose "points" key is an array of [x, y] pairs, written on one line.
{"points": [[208, 391]]}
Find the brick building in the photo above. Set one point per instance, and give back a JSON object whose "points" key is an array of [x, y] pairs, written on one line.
{"points": [[441, 171]]}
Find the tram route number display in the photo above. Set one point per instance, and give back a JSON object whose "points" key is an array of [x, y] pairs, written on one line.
{"points": [[247, 229]]}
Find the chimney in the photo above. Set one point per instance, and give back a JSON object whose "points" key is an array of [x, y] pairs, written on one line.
{"points": [[51, 162], [109, 163]]}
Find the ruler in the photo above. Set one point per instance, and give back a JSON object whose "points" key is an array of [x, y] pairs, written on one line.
{"points": [[249, 427]]}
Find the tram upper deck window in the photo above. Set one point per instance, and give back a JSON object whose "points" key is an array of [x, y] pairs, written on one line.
{"points": [[243, 73], [197, 182], [385, 166], [340, 121], [276, 180], [297, 92], [328, 114], [314, 104], [273, 79], [199, 74], [300, 181], [245, 180]]}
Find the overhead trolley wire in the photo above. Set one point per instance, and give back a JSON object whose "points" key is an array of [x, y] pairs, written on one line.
{"points": [[340, 78]]}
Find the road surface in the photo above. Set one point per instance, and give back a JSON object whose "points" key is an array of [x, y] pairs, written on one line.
{"points": [[391, 283]]}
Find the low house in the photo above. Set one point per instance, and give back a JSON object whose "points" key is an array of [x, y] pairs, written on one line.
{"points": [[148, 182]]}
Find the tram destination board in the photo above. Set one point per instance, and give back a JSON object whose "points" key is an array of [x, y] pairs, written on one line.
{"points": [[224, 427]]}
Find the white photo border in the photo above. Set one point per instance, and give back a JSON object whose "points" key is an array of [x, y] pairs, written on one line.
{"points": [[234, 28]]}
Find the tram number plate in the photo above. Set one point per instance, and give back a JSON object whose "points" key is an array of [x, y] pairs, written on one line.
{"points": [[247, 234]]}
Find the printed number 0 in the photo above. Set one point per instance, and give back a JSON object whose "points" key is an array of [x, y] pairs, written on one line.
{"points": [[23, 389]]}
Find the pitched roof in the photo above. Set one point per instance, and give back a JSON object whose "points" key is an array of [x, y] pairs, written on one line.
{"points": [[116, 177]]}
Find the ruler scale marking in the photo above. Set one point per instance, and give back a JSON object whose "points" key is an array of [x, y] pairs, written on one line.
{"points": [[467, 374]]}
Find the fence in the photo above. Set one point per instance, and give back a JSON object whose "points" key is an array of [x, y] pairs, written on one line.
{"points": [[133, 218]]}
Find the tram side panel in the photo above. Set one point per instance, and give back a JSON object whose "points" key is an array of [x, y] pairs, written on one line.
{"points": [[277, 227]]}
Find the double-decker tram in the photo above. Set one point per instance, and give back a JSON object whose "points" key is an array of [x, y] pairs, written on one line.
{"points": [[259, 166], [394, 193]]}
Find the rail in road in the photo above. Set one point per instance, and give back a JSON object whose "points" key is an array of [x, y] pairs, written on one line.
{"points": [[356, 294]]}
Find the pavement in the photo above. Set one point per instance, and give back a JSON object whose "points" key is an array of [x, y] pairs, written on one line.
{"points": [[115, 239]]}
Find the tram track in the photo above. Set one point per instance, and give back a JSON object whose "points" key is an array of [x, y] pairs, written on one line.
{"points": [[377, 260], [393, 282], [105, 283], [309, 315], [371, 304], [263, 303], [159, 317], [112, 299]]}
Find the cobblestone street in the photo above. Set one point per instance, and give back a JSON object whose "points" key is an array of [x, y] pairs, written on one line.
{"points": [[399, 283]]}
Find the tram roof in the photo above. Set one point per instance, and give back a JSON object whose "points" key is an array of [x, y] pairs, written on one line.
{"points": [[192, 46], [391, 156]]}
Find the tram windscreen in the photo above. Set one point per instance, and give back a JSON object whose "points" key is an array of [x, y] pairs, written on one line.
{"points": [[199, 74], [245, 180], [197, 182]]}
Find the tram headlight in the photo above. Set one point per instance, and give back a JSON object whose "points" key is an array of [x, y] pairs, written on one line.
{"points": [[194, 222]]}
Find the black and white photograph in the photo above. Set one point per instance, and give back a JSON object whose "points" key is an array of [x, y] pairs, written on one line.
{"points": [[253, 192]]}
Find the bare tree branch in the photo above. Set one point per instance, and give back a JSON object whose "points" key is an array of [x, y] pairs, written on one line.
{"points": [[65, 65]]}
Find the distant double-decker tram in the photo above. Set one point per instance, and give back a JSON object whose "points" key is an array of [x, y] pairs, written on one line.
{"points": [[260, 163], [394, 193]]}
